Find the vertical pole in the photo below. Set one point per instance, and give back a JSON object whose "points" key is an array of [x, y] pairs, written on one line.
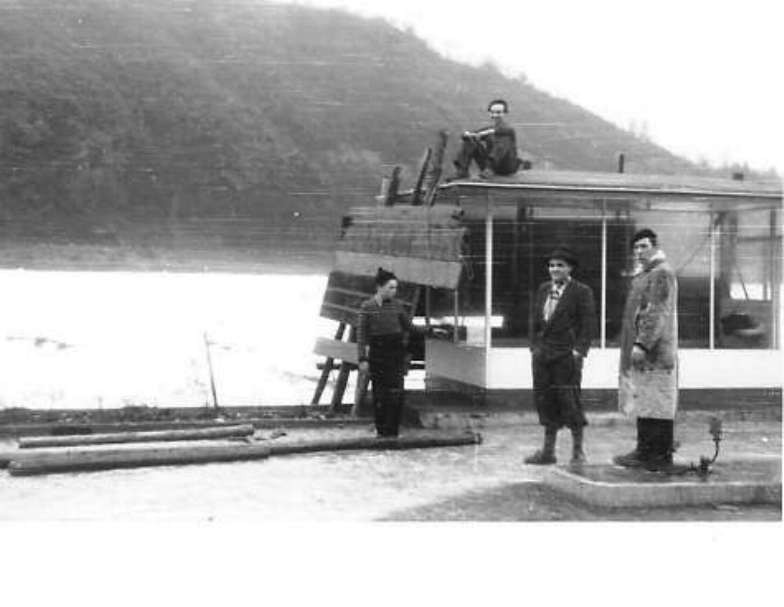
{"points": [[427, 307], [454, 332], [712, 291], [775, 284], [488, 277], [767, 291], [603, 320], [213, 389], [529, 216]]}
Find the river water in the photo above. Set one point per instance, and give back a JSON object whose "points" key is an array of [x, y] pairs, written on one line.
{"points": [[109, 339]]}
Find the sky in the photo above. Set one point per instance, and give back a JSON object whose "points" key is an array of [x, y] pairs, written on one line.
{"points": [[699, 78]]}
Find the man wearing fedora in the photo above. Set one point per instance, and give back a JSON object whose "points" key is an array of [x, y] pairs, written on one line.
{"points": [[564, 323]]}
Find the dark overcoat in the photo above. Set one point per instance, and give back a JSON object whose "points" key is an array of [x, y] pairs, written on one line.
{"points": [[571, 326]]}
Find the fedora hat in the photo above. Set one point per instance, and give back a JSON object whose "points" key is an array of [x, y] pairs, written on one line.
{"points": [[564, 254]]}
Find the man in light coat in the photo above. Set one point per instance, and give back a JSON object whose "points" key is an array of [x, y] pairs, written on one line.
{"points": [[648, 386]]}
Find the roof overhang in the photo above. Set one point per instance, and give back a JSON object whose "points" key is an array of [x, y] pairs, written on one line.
{"points": [[569, 189]]}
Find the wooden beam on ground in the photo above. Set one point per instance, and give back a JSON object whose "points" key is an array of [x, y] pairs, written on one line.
{"points": [[234, 431], [25, 464], [82, 460], [371, 443]]}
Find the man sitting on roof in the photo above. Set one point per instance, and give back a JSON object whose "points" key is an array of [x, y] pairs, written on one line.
{"points": [[493, 148]]}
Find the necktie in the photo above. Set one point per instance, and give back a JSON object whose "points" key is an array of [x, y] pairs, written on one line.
{"points": [[551, 303]]}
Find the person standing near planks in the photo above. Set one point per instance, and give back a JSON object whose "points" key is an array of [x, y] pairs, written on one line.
{"points": [[383, 330]]}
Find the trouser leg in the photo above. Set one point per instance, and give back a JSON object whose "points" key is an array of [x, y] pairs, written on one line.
{"points": [[542, 394], [394, 407], [388, 397], [660, 441], [566, 373], [578, 454], [379, 397], [641, 453], [545, 455], [470, 149]]}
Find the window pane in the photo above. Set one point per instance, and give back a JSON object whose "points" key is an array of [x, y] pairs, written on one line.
{"points": [[749, 280]]}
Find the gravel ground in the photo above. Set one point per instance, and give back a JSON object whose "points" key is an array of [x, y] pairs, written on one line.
{"points": [[487, 482]]}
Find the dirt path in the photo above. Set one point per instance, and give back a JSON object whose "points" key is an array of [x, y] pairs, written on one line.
{"points": [[484, 482]]}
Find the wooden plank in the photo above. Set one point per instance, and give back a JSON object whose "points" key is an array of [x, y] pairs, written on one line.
{"points": [[423, 168], [82, 460], [328, 363], [364, 294], [441, 215], [436, 167], [34, 442], [346, 292], [371, 443], [343, 373], [433, 272], [346, 314], [393, 188], [279, 419]]}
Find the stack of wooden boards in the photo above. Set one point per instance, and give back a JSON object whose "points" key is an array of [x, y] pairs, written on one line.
{"points": [[422, 245]]}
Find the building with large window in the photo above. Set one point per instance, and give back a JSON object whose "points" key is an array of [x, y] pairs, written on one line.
{"points": [[480, 252]]}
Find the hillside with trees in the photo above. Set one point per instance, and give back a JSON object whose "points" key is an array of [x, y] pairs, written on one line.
{"points": [[119, 114]]}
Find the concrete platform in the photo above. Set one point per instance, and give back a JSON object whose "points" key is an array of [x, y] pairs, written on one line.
{"points": [[739, 481]]}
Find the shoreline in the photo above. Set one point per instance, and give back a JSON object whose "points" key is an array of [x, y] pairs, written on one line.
{"points": [[102, 258]]}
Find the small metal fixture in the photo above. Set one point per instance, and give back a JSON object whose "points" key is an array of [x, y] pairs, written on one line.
{"points": [[715, 430]]}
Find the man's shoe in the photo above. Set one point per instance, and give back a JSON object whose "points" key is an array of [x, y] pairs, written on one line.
{"points": [[540, 458], [630, 460]]}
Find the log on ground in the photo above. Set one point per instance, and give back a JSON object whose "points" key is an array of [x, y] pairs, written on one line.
{"points": [[371, 443], [33, 442], [24, 464], [83, 460]]}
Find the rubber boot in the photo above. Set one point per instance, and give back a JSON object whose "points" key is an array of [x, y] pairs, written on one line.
{"points": [[578, 455], [545, 455], [638, 457], [660, 456]]}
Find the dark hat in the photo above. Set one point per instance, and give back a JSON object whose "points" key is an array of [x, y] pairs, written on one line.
{"points": [[564, 254], [644, 233], [383, 277]]}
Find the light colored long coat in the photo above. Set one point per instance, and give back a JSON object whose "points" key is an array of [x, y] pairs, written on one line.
{"points": [[650, 319]]}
